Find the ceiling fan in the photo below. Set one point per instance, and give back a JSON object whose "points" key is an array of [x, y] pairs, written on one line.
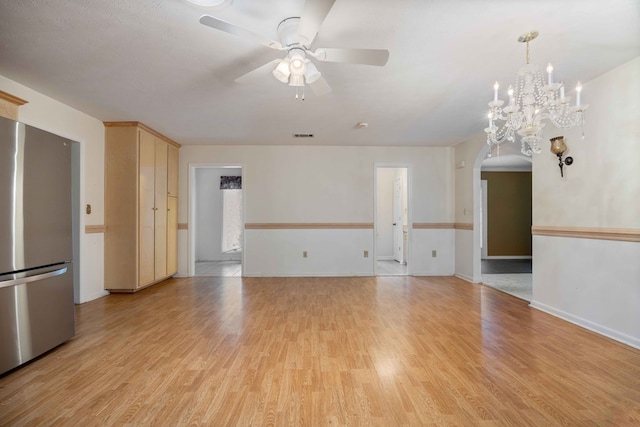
{"points": [[296, 36]]}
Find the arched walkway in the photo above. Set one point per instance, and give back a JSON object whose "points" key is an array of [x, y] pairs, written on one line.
{"points": [[513, 276]]}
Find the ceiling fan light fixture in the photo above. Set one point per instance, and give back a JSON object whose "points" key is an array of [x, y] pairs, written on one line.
{"points": [[297, 81], [282, 72], [297, 65], [311, 73]]}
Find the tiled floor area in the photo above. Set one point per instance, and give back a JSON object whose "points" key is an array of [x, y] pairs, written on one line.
{"points": [[219, 268], [518, 285], [390, 268], [512, 276]]}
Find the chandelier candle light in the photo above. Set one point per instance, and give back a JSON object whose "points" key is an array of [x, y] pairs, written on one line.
{"points": [[533, 100]]}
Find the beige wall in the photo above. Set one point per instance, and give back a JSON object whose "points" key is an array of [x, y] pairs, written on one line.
{"points": [[466, 153], [325, 184], [594, 283], [602, 187], [467, 172], [320, 184], [591, 282], [55, 117]]}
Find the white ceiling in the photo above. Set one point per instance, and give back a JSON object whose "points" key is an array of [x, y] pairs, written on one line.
{"points": [[151, 61]]}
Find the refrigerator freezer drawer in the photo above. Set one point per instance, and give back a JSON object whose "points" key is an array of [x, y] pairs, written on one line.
{"points": [[35, 315]]}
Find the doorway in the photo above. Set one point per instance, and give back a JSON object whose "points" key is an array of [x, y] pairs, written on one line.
{"points": [[391, 221], [217, 220], [505, 211]]}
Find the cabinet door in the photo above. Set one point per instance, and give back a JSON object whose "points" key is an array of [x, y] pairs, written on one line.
{"points": [[146, 208], [172, 171], [172, 235], [160, 226]]}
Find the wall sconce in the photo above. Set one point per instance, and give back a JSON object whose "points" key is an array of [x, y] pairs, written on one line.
{"points": [[558, 147]]}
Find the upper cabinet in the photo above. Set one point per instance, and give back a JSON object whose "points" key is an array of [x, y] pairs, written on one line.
{"points": [[9, 105], [141, 188], [173, 170]]}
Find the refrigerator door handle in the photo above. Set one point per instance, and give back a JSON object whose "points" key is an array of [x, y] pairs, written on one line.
{"points": [[22, 280]]}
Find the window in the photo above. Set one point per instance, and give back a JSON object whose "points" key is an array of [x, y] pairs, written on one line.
{"points": [[231, 220]]}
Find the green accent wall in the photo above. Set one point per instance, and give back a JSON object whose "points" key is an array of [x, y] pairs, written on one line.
{"points": [[509, 213]]}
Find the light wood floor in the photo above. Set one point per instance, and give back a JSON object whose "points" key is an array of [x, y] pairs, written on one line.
{"points": [[324, 351]]}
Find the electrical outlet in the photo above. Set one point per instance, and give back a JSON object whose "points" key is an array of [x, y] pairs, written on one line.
{"points": [[434, 253], [366, 254], [304, 254]]}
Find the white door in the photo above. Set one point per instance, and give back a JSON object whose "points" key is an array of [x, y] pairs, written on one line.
{"points": [[398, 193]]}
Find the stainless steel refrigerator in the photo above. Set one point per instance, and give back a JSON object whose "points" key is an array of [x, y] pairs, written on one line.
{"points": [[36, 243]]}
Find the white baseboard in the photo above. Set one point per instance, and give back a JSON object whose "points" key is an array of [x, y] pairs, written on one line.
{"points": [[93, 296], [595, 327], [431, 273], [464, 277], [367, 274], [384, 258]]}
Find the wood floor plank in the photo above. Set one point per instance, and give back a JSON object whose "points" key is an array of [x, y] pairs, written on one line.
{"points": [[324, 351]]}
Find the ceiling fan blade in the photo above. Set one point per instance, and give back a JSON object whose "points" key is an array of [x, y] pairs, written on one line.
{"points": [[353, 56], [313, 15], [320, 87], [258, 72], [218, 24]]}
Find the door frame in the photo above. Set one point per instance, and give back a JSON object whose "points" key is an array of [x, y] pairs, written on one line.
{"points": [[484, 210], [409, 193], [191, 206], [398, 229]]}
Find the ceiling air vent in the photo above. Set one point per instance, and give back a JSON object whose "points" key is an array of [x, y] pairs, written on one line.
{"points": [[303, 135]]}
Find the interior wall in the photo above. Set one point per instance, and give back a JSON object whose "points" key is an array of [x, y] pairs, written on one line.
{"points": [[508, 213], [467, 201], [53, 116], [208, 245], [593, 282], [318, 184]]}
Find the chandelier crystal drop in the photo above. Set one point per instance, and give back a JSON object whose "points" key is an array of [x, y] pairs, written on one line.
{"points": [[532, 100]]}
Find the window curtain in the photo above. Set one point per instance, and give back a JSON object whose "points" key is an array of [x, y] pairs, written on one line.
{"points": [[231, 183]]}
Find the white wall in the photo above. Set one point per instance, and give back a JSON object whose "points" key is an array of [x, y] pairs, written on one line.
{"points": [[208, 204], [313, 184], [467, 202], [595, 283], [329, 253], [53, 116]]}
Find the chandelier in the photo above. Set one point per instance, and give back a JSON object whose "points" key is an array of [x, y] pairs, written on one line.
{"points": [[533, 100]]}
